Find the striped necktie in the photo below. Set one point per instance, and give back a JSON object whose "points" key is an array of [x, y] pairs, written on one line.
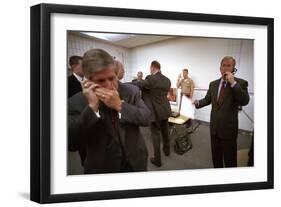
{"points": [[220, 98]]}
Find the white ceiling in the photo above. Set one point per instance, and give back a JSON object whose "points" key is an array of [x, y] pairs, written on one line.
{"points": [[127, 40], [140, 40]]}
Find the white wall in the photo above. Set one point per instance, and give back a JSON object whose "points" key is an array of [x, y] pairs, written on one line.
{"points": [[202, 57], [78, 45]]}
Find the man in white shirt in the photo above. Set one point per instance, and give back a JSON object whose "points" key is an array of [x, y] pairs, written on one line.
{"points": [[75, 79]]}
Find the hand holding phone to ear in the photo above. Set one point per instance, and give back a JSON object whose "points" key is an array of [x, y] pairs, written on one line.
{"points": [[89, 88], [229, 77], [110, 97]]}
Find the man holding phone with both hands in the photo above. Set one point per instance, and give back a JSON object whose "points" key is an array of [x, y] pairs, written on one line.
{"points": [[226, 95], [104, 119]]}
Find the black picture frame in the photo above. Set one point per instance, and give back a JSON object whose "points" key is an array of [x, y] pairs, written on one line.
{"points": [[40, 102]]}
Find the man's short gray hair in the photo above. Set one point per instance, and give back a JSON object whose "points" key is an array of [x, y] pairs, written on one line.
{"points": [[96, 60], [229, 58]]}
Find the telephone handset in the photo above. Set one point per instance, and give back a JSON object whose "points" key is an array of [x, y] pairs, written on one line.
{"points": [[233, 72]]}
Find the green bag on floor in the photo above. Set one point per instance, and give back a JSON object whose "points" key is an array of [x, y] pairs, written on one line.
{"points": [[182, 144]]}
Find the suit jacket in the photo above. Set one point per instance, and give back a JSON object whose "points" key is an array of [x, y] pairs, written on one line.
{"points": [[135, 80], [74, 86], [96, 135], [224, 117], [154, 92]]}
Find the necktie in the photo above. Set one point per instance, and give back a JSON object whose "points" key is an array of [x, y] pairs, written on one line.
{"points": [[114, 120], [220, 99]]}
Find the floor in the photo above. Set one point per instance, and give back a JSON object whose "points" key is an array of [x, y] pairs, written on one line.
{"points": [[199, 157]]}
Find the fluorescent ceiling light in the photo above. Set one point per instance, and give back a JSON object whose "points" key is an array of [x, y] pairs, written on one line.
{"points": [[108, 36]]}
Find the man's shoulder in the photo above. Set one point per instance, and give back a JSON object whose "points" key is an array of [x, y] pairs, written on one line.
{"points": [[163, 77], [128, 87], [148, 77], [70, 77], [160, 74], [214, 82], [77, 98], [72, 80], [240, 80], [190, 79]]}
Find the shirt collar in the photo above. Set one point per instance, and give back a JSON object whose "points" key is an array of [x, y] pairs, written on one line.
{"points": [[78, 77], [221, 80]]}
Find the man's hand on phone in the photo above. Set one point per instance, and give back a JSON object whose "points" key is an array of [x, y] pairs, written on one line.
{"points": [[229, 77], [109, 97], [88, 88]]}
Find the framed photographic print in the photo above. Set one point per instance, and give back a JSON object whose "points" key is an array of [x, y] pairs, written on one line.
{"points": [[96, 77]]}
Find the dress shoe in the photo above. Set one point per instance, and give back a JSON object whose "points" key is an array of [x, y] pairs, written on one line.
{"points": [[166, 151], [154, 162]]}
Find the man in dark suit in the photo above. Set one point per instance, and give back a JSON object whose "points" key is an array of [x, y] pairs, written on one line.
{"points": [[75, 79], [226, 95], [105, 119], [154, 92]]}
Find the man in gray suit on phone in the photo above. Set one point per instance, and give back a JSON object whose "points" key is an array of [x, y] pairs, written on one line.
{"points": [[226, 95]]}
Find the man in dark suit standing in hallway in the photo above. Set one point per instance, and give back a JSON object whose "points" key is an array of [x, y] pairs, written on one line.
{"points": [[104, 119], [225, 94], [75, 79], [154, 92]]}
